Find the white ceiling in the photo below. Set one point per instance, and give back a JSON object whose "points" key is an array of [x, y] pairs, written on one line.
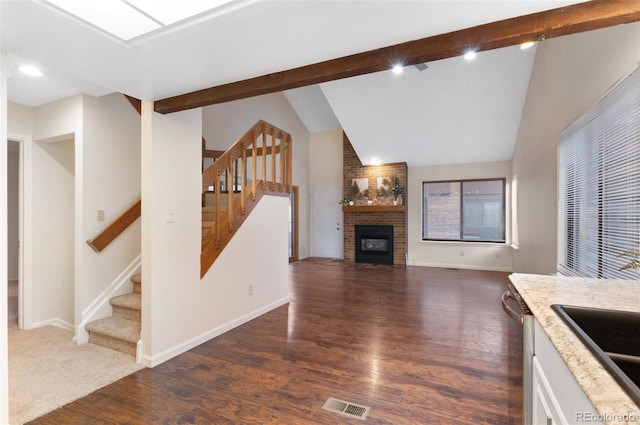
{"points": [[272, 35]]}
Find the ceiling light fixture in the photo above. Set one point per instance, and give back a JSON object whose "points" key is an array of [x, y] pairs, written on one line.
{"points": [[30, 70], [527, 45], [470, 55], [397, 69]]}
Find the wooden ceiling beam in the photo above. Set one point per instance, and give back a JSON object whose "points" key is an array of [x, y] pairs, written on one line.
{"points": [[572, 19]]}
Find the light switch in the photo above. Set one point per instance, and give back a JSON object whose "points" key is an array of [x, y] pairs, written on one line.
{"points": [[171, 216], [100, 215]]}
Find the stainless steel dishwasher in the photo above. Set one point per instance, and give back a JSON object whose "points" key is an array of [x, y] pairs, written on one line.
{"points": [[526, 319]]}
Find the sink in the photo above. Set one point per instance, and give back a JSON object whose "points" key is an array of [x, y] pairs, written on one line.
{"points": [[613, 337]]}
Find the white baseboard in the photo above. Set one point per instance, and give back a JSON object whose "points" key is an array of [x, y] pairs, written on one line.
{"points": [[464, 267], [100, 306], [152, 361], [53, 322]]}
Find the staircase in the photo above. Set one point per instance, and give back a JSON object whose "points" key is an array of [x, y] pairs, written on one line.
{"points": [[121, 331], [259, 163]]}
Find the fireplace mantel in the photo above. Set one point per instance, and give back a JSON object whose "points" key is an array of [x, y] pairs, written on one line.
{"points": [[372, 208]]}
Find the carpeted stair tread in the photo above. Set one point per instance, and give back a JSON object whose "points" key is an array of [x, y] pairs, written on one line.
{"points": [[131, 301], [116, 327]]}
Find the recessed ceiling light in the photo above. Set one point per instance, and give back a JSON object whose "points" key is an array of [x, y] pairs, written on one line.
{"points": [[375, 161], [470, 55], [527, 45], [397, 69], [30, 70]]}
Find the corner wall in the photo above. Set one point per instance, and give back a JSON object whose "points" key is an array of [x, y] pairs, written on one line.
{"points": [[4, 362], [569, 75], [180, 310], [111, 183]]}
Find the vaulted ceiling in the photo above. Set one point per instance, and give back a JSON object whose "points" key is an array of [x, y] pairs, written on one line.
{"points": [[454, 111]]}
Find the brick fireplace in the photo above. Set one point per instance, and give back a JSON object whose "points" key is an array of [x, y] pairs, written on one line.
{"points": [[380, 211]]}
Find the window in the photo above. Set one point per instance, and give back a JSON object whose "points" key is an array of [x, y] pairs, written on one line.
{"points": [[464, 210], [599, 186]]}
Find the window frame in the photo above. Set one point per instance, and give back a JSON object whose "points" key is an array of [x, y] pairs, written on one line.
{"points": [[461, 182]]}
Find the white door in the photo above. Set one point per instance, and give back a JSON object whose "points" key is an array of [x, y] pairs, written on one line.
{"points": [[325, 176], [326, 222]]}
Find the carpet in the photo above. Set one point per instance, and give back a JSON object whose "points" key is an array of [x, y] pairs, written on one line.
{"points": [[47, 370]]}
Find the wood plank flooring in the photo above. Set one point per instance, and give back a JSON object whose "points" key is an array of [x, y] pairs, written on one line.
{"points": [[417, 345]]}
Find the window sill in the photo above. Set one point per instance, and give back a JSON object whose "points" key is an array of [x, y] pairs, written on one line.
{"points": [[462, 243]]}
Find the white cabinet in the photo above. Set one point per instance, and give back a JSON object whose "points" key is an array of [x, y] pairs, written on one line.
{"points": [[544, 401], [558, 399]]}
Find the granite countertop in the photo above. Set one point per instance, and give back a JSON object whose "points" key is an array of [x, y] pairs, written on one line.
{"points": [[540, 292]]}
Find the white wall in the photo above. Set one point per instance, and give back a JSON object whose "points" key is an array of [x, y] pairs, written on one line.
{"points": [[481, 256], [180, 310], [569, 75], [12, 211], [325, 176], [4, 366], [111, 182], [225, 123], [21, 119], [53, 233]]}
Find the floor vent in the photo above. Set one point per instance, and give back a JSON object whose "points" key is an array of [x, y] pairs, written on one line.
{"points": [[346, 408]]}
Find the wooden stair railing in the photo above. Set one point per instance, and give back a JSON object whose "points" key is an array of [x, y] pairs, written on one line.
{"points": [[274, 177], [118, 226]]}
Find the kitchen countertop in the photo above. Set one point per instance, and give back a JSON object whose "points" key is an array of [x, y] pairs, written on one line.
{"points": [[540, 292]]}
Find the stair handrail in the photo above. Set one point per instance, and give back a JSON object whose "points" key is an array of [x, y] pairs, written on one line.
{"points": [[262, 139], [116, 227]]}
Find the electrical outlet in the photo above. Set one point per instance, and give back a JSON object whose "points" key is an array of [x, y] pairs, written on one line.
{"points": [[100, 215], [462, 253], [250, 290]]}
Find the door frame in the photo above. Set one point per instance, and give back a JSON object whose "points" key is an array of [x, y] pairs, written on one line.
{"points": [[25, 229], [295, 212]]}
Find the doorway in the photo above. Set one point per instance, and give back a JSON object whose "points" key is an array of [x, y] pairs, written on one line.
{"points": [[13, 231]]}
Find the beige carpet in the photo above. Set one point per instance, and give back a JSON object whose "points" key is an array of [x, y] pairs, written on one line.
{"points": [[47, 370]]}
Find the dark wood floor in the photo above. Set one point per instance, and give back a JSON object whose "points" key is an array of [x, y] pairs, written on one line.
{"points": [[417, 345]]}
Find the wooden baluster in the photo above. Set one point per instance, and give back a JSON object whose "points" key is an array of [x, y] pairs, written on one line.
{"points": [[254, 166], [272, 183], [217, 206], [243, 178], [264, 160], [230, 181], [289, 164], [282, 154]]}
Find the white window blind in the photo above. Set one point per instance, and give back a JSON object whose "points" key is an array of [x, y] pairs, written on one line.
{"points": [[599, 186]]}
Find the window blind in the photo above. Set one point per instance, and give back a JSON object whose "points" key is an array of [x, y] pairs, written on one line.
{"points": [[599, 186]]}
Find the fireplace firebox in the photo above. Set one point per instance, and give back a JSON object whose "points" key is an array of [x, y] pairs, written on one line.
{"points": [[374, 244]]}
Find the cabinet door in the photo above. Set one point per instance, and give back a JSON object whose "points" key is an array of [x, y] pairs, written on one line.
{"points": [[544, 403], [541, 412]]}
